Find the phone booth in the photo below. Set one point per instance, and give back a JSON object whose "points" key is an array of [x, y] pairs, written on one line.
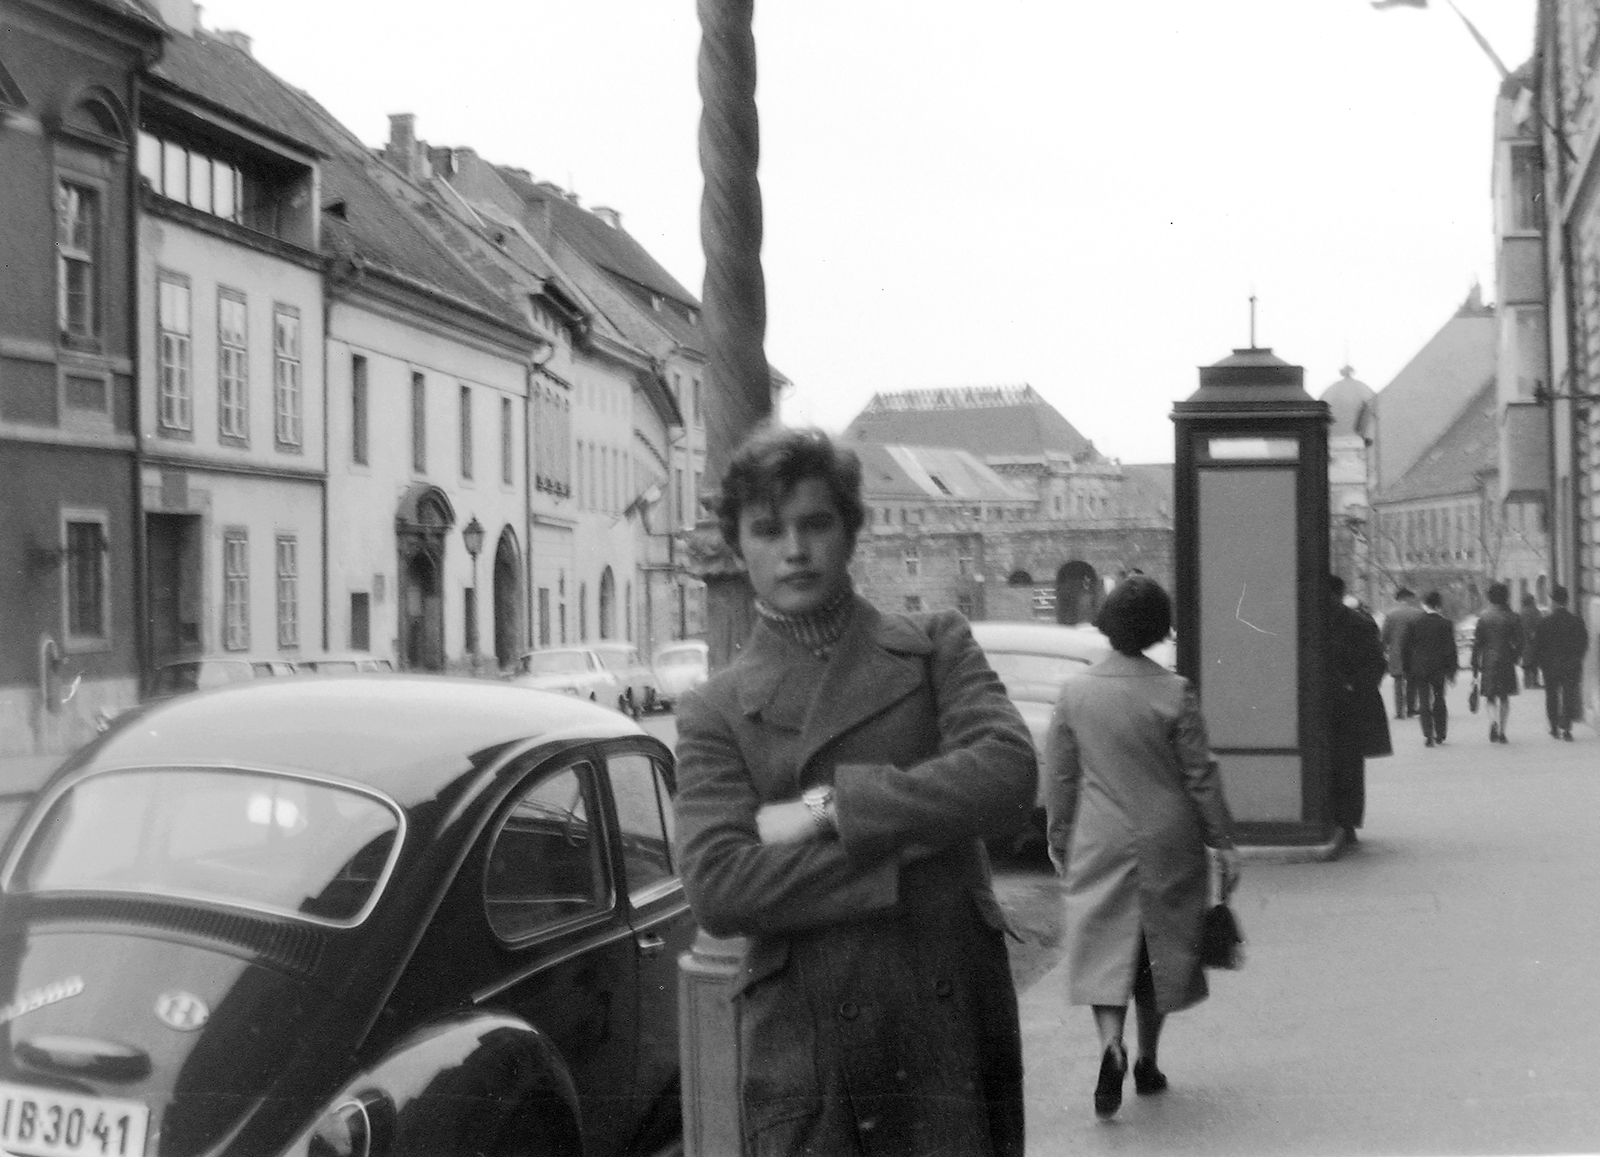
{"points": [[1250, 484]]}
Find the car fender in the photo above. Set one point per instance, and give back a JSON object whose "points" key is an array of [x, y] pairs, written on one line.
{"points": [[474, 1082]]}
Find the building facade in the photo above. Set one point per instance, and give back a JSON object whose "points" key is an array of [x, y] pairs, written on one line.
{"points": [[1002, 510], [230, 311], [70, 641]]}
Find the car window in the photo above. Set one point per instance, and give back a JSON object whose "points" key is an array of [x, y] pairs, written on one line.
{"points": [[644, 817], [545, 865], [555, 662], [1033, 677], [291, 846]]}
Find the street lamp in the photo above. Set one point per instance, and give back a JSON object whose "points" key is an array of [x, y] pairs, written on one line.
{"points": [[472, 536]]}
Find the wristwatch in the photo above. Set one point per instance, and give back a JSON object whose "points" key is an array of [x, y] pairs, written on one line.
{"points": [[819, 802]]}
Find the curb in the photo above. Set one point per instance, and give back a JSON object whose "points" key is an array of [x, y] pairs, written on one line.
{"points": [[1296, 853]]}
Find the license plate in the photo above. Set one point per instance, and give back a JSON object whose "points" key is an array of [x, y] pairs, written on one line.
{"points": [[43, 1123]]}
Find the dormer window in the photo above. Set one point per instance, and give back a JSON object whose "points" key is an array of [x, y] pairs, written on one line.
{"points": [[656, 302], [192, 177]]}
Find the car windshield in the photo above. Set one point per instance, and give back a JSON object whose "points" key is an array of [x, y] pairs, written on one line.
{"points": [[615, 660], [1033, 677], [554, 662], [176, 678], [682, 657], [287, 845]]}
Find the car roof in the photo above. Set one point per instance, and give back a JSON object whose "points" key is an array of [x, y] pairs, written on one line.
{"points": [[406, 735], [684, 645], [1076, 642]]}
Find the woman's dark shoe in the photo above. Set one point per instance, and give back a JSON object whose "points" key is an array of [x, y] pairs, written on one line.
{"points": [[1147, 1078], [1494, 734], [1108, 1089]]}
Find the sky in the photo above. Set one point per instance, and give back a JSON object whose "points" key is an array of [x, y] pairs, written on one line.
{"points": [[1078, 196]]}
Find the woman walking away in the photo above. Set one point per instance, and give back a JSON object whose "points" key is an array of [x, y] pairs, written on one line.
{"points": [[1133, 799], [1496, 645], [835, 784]]}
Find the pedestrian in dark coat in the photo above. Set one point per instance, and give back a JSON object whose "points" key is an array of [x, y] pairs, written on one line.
{"points": [[1530, 616], [1431, 662], [1358, 726], [835, 786], [1561, 641], [1132, 801], [1394, 628], [1497, 644]]}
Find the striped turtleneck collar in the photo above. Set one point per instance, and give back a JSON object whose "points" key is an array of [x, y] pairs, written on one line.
{"points": [[817, 631]]}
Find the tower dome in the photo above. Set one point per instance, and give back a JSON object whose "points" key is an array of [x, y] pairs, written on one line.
{"points": [[1345, 399]]}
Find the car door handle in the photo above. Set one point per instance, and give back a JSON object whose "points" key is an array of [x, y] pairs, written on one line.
{"points": [[649, 943]]}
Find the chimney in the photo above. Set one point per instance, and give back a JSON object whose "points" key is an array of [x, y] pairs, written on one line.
{"points": [[239, 40], [402, 150], [179, 15], [610, 216]]}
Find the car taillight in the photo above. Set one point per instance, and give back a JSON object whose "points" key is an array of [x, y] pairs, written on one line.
{"points": [[344, 1131]]}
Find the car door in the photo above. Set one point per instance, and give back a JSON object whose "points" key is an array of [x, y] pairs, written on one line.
{"points": [[658, 912], [567, 962]]}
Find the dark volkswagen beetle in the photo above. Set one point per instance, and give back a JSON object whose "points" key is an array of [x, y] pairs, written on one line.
{"points": [[346, 916]]}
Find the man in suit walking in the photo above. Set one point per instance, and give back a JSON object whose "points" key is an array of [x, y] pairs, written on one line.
{"points": [[1428, 653], [1394, 630], [1560, 641]]}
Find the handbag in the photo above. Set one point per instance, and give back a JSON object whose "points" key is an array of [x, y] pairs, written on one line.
{"points": [[1221, 939], [1472, 696]]}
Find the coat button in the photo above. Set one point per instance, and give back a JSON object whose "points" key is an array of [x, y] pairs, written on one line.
{"points": [[849, 1010], [943, 987]]}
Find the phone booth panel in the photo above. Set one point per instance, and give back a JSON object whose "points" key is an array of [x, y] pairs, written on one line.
{"points": [[1251, 546]]}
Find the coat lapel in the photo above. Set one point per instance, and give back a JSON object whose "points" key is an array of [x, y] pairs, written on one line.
{"points": [[878, 662]]}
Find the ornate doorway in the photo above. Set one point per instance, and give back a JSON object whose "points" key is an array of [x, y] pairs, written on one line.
{"points": [[421, 523]]}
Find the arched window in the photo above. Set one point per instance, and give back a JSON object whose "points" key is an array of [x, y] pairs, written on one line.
{"points": [[606, 619]]}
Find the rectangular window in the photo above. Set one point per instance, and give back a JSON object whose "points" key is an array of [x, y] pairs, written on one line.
{"points": [[1527, 190], [913, 603], [699, 414], [77, 244], [507, 442], [286, 376], [233, 371], [175, 410], [358, 410], [235, 590], [193, 178], [677, 496], [966, 605], [360, 621], [544, 616], [913, 561], [466, 431], [964, 565], [288, 591], [469, 607], [419, 424], [86, 579]]}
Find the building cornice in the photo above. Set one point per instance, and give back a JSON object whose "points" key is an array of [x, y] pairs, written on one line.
{"points": [[208, 464], [406, 299]]}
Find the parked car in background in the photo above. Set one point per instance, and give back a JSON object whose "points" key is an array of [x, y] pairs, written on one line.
{"points": [[680, 667], [361, 916], [346, 663], [638, 682], [181, 676], [570, 670], [1033, 660]]}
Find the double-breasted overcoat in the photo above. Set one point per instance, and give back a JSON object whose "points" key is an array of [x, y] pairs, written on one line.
{"points": [[877, 1012], [1133, 799]]}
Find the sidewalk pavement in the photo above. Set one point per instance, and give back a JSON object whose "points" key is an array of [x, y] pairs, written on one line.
{"points": [[1434, 990]]}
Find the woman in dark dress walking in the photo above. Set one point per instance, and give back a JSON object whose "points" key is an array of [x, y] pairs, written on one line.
{"points": [[1496, 646]]}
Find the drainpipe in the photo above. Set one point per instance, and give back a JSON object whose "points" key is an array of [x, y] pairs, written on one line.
{"points": [[143, 647]]}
